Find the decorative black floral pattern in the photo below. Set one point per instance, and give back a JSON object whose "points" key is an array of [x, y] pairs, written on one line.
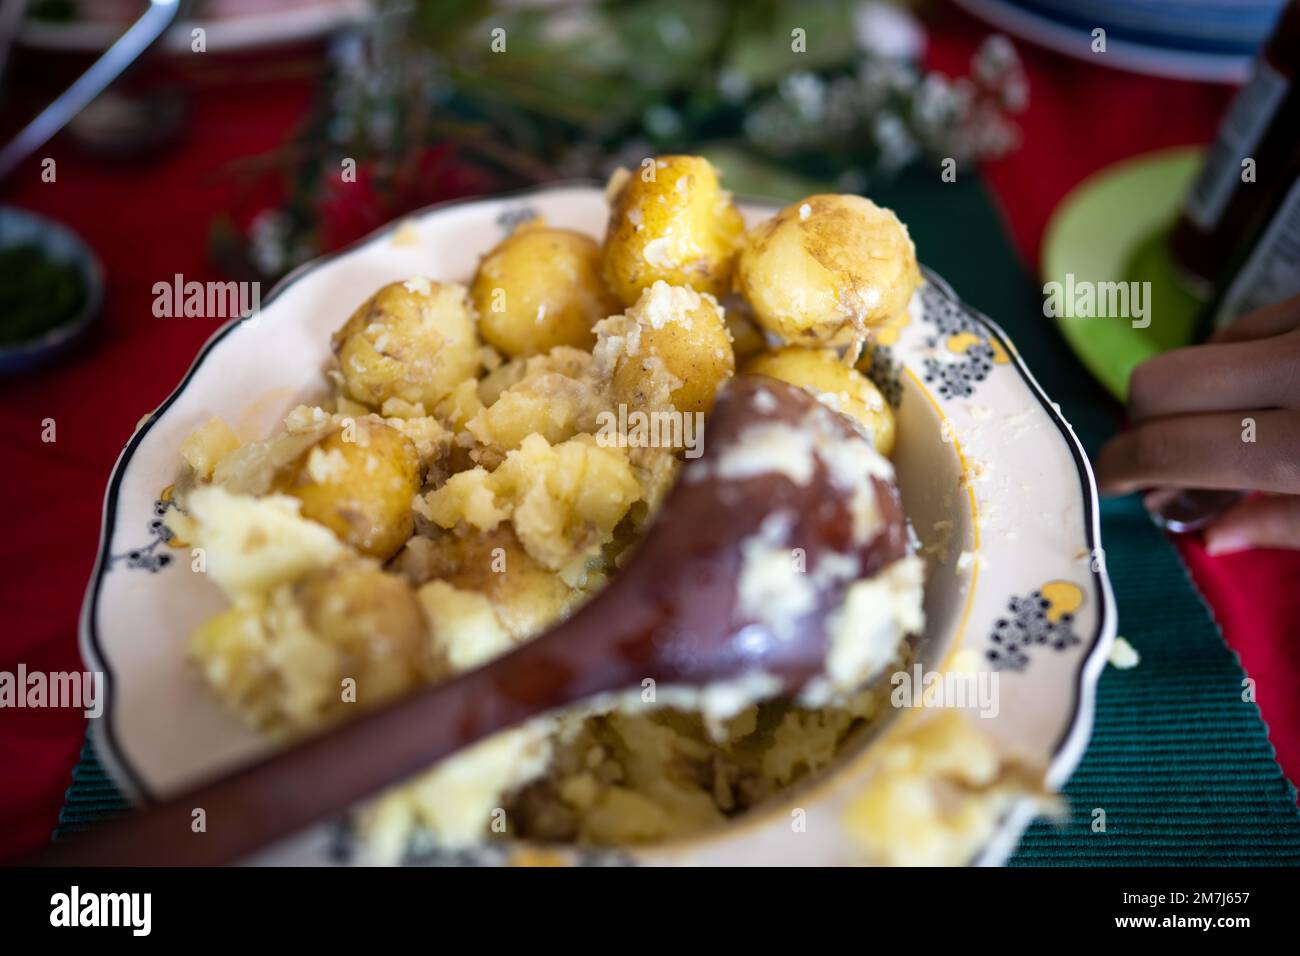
{"points": [[490, 854], [886, 372], [957, 373], [149, 557], [1027, 625], [423, 850]]}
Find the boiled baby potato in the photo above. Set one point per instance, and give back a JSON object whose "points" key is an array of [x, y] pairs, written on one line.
{"points": [[414, 341], [675, 348], [845, 389], [348, 621], [671, 221], [359, 482], [540, 288], [824, 270], [373, 623]]}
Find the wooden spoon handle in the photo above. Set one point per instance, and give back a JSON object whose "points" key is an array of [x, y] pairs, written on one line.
{"points": [[328, 773]]}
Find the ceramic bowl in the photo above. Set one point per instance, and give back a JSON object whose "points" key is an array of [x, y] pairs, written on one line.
{"points": [[997, 486]]}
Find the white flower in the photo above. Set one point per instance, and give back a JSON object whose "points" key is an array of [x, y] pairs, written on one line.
{"points": [[887, 30], [806, 93]]}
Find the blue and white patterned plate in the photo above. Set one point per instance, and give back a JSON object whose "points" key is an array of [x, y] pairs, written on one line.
{"points": [[992, 477]]}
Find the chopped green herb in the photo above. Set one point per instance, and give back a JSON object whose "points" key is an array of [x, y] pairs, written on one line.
{"points": [[37, 293]]}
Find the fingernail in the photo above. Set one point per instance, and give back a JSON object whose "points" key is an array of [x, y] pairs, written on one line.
{"points": [[1227, 543]]}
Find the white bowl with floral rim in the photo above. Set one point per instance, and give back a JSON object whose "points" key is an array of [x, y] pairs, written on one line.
{"points": [[998, 488]]}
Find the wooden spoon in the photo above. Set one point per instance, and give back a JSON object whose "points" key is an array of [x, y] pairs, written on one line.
{"points": [[779, 468]]}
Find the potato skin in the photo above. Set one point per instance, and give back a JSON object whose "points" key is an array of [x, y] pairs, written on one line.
{"points": [[540, 288], [359, 482], [412, 340], [825, 270], [845, 389], [681, 228], [374, 623], [678, 332]]}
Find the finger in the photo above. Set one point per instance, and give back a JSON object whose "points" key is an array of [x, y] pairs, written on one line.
{"points": [[1259, 451], [1217, 378], [1262, 323], [1264, 522], [1158, 498]]}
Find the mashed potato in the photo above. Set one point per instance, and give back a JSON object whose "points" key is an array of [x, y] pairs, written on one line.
{"points": [[446, 505]]}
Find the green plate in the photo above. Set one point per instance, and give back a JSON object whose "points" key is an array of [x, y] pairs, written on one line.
{"points": [[1112, 228]]}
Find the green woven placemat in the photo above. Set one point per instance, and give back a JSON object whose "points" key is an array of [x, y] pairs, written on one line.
{"points": [[1180, 764], [91, 798]]}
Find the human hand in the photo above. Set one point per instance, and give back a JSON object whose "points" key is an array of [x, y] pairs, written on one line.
{"points": [[1222, 415]]}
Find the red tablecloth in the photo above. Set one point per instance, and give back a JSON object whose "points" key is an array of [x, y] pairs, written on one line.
{"points": [[149, 222], [145, 222]]}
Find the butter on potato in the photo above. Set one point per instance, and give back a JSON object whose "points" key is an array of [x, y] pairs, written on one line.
{"points": [[539, 288], [412, 340], [844, 389], [825, 270], [670, 221]]}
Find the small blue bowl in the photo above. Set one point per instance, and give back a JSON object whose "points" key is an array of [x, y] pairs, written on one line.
{"points": [[21, 228]]}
